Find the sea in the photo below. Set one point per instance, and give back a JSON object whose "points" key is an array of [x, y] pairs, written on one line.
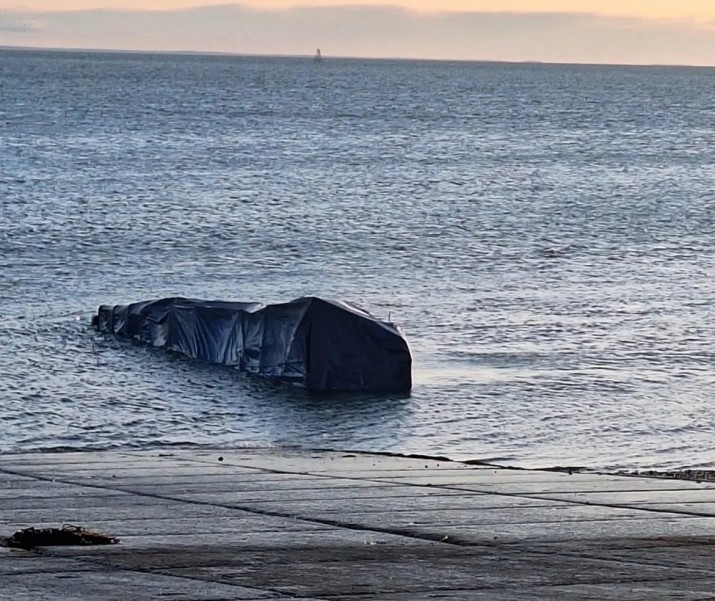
{"points": [[543, 234]]}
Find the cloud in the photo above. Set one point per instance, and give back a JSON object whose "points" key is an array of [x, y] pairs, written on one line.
{"points": [[384, 31]]}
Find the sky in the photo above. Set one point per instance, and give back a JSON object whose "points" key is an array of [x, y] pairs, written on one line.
{"points": [[590, 31]]}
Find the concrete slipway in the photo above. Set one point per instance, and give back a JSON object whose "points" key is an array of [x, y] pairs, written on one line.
{"points": [[292, 525]]}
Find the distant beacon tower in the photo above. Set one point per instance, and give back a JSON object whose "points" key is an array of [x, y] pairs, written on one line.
{"points": [[318, 56]]}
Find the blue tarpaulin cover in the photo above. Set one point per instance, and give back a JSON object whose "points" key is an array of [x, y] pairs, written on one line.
{"points": [[320, 344]]}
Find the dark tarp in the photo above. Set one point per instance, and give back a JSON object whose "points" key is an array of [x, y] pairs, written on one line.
{"points": [[322, 345]]}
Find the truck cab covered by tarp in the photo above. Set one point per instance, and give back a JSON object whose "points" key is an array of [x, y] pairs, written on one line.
{"points": [[320, 344]]}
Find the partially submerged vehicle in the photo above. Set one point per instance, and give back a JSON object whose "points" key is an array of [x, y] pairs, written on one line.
{"points": [[319, 344]]}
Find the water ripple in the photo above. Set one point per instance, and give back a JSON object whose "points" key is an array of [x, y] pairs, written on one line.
{"points": [[543, 234]]}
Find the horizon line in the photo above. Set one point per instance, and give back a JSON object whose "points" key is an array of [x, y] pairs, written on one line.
{"points": [[60, 49]]}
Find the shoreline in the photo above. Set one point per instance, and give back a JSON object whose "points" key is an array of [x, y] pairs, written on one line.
{"points": [[686, 474]]}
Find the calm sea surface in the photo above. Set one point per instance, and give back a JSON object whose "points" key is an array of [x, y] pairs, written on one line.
{"points": [[545, 235]]}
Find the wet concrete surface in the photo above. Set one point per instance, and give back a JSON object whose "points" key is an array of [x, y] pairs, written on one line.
{"points": [[280, 524]]}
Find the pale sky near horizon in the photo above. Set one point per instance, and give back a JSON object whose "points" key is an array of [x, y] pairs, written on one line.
{"points": [[623, 31], [668, 9]]}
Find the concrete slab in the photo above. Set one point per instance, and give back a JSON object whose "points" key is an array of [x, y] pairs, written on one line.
{"points": [[400, 475], [603, 548], [13, 562], [602, 484], [631, 498], [603, 530], [190, 525], [155, 510], [435, 501], [674, 590], [339, 493], [477, 572], [123, 471], [120, 586], [75, 457], [6, 479], [314, 462], [703, 509], [52, 490], [506, 476], [108, 500], [691, 556], [513, 515], [179, 543], [234, 482], [256, 553]]}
